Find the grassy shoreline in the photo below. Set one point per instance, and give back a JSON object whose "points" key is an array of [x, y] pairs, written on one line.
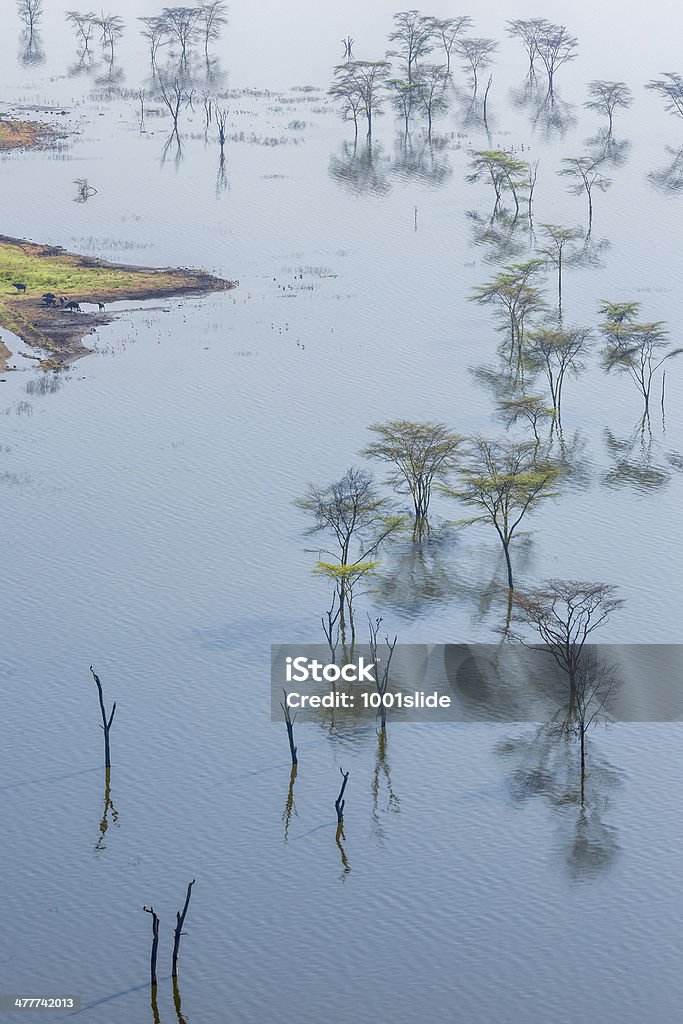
{"points": [[45, 268]]}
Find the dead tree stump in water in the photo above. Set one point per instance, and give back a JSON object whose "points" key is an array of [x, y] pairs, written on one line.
{"points": [[339, 802], [155, 947], [289, 722], [106, 723], [180, 921]]}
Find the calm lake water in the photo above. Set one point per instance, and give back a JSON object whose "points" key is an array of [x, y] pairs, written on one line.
{"points": [[150, 531]]}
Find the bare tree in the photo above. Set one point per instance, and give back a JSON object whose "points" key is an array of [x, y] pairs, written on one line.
{"points": [[173, 95], [413, 33], [289, 722], [221, 118], [606, 97], [555, 46], [381, 678], [180, 921], [155, 948], [669, 86], [106, 722], [30, 12], [340, 801], [477, 55], [347, 43]]}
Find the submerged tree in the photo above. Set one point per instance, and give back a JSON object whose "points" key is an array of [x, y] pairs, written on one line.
{"points": [[557, 351], [477, 54], [182, 24], [447, 31], [213, 17], [430, 84], [606, 97], [413, 33], [565, 614], [515, 299], [504, 480], [670, 87], [559, 249], [634, 347], [359, 86], [422, 454], [529, 31], [30, 12], [555, 46], [506, 173], [585, 177], [111, 29], [359, 520], [155, 31], [83, 25], [404, 99]]}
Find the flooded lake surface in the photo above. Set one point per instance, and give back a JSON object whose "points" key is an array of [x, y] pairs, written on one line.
{"points": [[151, 531]]}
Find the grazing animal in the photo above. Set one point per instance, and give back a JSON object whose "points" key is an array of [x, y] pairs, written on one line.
{"points": [[100, 306], [73, 306], [49, 295], [18, 286], [48, 300]]}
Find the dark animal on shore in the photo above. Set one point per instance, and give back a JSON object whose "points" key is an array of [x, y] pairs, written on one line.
{"points": [[18, 286], [101, 306], [49, 295], [49, 300], [73, 306]]}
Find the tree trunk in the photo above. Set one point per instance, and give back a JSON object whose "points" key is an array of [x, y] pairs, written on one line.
{"points": [[506, 549], [180, 921]]}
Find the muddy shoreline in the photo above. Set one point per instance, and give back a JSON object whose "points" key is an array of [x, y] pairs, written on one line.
{"points": [[59, 332]]}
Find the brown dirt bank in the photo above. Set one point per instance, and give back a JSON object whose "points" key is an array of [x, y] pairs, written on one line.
{"points": [[43, 268]]}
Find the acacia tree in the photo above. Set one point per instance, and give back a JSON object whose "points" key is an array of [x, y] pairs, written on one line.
{"points": [[531, 408], [360, 85], [430, 83], [670, 87], [182, 24], [555, 46], [155, 31], [504, 480], [606, 97], [529, 31], [634, 347], [515, 300], [564, 614], [557, 351], [413, 33], [559, 250], [404, 99], [585, 177], [213, 17], [477, 54], [359, 520], [505, 172], [447, 31], [421, 453], [83, 25], [30, 12], [111, 28]]}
